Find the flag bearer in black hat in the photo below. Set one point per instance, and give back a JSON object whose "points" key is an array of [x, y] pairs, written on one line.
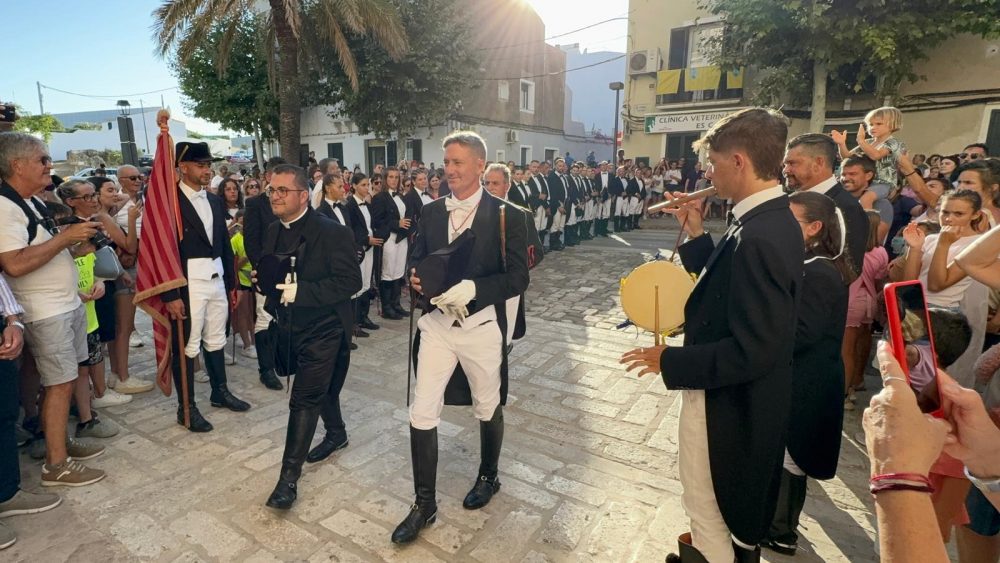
{"points": [[207, 259], [465, 325]]}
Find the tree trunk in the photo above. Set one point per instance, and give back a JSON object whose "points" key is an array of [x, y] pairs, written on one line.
{"points": [[289, 102], [818, 118], [259, 153]]}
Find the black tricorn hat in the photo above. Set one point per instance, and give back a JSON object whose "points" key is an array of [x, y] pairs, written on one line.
{"points": [[445, 267], [194, 152]]}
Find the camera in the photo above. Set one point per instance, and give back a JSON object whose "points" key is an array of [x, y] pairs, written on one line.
{"points": [[99, 240], [9, 113]]}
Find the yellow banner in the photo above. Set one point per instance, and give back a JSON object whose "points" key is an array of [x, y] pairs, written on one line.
{"points": [[702, 78], [734, 79], [668, 81]]}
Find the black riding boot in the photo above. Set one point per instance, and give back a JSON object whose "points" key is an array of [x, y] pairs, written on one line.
{"points": [[686, 552], [782, 536], [198, 422], [744, 555], [336, 432], [364, 305], [490, 441], [385, 296], [554, 242], [397, 294], [215, 365], [301, 427], [265, 360], [424, 454]]}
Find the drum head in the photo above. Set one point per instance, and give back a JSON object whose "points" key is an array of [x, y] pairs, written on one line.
{"points": [[639, 290]]}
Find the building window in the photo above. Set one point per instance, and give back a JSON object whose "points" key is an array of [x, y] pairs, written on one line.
{"points": [[415, 149], [691, 47], [525, 155], [503, 90], [335, 150], [527, 96]]}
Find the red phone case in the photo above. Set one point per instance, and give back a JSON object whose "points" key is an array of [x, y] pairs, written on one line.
{"points": [[896, 333]]}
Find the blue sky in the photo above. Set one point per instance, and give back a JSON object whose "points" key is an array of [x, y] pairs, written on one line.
{"points": [[105, 47]]}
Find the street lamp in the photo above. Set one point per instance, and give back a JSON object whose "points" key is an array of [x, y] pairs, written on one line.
{"points": [[124, 107], [617, 87]]}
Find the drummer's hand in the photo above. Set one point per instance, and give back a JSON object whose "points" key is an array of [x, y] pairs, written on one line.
{"points": [[690, 214], [415, 281], [646, 358]]}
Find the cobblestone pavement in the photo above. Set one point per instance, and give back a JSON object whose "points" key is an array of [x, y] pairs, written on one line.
{"points": [[589, 466]]}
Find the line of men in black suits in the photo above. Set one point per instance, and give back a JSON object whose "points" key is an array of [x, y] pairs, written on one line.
{"points": [[576, 203]]}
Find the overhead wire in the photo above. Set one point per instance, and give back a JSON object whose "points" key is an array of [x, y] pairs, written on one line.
{"points": [[558, 72], [108, 95], [533, 41]]}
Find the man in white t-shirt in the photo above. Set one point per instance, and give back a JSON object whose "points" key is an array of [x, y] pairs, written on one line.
{"points": [[220, 175], [37, 260]]}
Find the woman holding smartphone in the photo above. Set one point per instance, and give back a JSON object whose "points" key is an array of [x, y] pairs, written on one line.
{"points": [[816, 416], [931, 259]]}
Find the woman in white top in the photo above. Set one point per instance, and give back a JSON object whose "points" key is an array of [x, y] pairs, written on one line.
{"points": [[983, 177]]}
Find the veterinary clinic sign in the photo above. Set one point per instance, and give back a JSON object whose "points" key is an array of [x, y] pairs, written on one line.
{"points": [[684, 122]]}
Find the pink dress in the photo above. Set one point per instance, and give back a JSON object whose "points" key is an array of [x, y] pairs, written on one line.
{"points": [[864, 291]]}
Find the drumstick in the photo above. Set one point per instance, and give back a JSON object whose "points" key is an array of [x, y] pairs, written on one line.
{"points": [[677, 202]]}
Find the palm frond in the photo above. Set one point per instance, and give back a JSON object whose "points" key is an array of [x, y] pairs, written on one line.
{"points": [[347, 61], [383, 23], [293, 16], [347, 12], [171, 20], [231, 27]]}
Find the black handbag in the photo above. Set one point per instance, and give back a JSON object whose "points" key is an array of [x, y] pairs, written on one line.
{"points": [[444, 268]]}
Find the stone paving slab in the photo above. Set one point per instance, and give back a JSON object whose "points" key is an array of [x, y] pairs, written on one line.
{"points": [[588, 469]]}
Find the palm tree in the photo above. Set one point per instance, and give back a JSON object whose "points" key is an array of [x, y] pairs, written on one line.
{"points": [[293, 28]]}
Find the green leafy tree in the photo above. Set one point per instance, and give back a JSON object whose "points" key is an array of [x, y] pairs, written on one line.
{"points": [[44, 124], [395, 97], [237, 96], [798, 47], [289, 35]]}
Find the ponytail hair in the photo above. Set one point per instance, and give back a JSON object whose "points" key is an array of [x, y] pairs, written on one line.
{"points": [[831, 240]]}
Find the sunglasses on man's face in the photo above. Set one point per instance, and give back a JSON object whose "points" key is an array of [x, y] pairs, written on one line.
{"points": [[971, 155], [132, 178]]}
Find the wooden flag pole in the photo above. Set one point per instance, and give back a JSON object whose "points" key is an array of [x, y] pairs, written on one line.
{"points": [[184, 381]]}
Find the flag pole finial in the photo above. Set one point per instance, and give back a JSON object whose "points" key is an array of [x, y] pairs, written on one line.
{"points": [[163, 119]]}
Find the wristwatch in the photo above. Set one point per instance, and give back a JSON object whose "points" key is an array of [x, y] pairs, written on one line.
{"points": [[988, 485]]}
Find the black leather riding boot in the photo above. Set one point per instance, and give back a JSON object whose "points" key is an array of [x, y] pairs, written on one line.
{"points": [[198, 422], [301, 427], [385, 296], [364, 305], [424, 455], [490, 442], [782, 537], [397, 294], [686, 552], [265, 360], [336, 432], [215, 365]]}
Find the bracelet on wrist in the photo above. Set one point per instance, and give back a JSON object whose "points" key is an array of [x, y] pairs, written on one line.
{"points": [[903, 476], [887, 487], [900, 482]]}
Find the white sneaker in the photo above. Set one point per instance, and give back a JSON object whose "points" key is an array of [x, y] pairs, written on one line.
{"points": [[111, 380], [134, 385], [111, 398], [135, 340], [250, 352], [201, 376]]}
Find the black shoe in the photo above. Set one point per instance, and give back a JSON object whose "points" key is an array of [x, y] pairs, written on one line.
{"points": [[481, 493], [271, 381], [222, 398], [353, 346], [198, 422], [780, 547], [358, 333], [367, 324], [283, 496], [418, 519], [325, 449]]}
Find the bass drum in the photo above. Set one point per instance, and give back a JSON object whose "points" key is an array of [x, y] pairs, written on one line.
{"points": [[654, 282]]}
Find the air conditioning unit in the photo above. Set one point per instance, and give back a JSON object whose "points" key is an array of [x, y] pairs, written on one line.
{"points": [[646, 61], [512, 136]]}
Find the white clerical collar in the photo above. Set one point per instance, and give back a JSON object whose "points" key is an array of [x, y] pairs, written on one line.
{"points": [[289, 224], [754, 200], [824, 186]]}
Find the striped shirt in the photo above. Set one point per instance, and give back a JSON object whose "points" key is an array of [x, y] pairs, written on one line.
{"points": [[8, 305]]}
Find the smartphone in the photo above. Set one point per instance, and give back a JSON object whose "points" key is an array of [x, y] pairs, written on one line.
{"points": [[912, 342]]}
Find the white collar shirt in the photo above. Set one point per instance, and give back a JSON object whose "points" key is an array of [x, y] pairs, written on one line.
{"points": [[335, 205], [824, 186]]}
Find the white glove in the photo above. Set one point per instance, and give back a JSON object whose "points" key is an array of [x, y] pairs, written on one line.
{"points": [[458, 296], [456, 312], [288, 290]]}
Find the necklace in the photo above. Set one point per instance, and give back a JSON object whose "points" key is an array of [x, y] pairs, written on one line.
{"points": [[451, 220]]}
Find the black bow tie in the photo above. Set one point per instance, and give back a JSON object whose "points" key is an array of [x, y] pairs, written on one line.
{"points": [[363, 204]]}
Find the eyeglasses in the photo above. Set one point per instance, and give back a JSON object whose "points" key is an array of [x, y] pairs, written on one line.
{"points": [[133, 178], [85, 197], [971, 155], [280, 191]]}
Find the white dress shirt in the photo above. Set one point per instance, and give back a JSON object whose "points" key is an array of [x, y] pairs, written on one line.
{"points": [[336, 210], [202, 268], [824, 186]]}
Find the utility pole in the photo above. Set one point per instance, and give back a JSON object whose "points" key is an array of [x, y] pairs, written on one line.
{"points": [[41, 107]]}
